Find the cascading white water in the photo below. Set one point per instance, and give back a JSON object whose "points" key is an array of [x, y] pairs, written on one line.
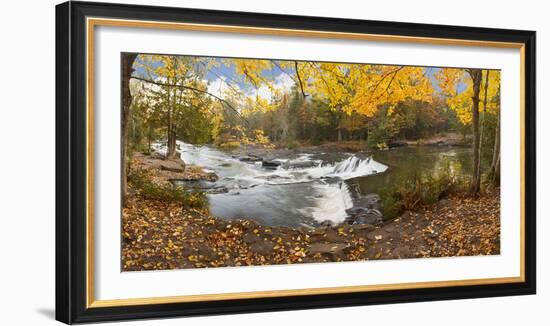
{"points": [[331, 204], [354, 167], [287, 192]]}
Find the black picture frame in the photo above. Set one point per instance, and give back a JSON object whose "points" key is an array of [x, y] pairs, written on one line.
{"points": [[71, 158]]}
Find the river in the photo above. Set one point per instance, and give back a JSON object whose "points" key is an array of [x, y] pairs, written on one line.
{"points": [[310, 187]]}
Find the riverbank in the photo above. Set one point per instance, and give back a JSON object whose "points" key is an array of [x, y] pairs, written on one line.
{"points": [[449, 139], [159, 235], [444, 139], [251, 152]]}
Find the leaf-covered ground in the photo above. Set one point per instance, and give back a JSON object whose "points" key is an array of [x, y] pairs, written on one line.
{"points": [[158, 235]]}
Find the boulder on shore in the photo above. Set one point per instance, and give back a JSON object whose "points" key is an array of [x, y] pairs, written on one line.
{"points": [[165, 171], [333, 251], [173, 165]]}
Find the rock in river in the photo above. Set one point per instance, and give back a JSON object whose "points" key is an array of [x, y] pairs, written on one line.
{"points": [[362, 215], [270, 164], [371, 201], [249, 158]]}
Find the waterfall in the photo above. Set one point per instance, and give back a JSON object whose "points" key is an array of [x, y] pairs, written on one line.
{"points": [[353, 167], [331, 203]]}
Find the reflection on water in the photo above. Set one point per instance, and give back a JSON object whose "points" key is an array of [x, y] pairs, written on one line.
{"points": [[406, 162]]}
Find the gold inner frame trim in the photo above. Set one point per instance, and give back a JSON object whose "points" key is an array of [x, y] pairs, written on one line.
{"points": [[285, 293], [92, 22]]}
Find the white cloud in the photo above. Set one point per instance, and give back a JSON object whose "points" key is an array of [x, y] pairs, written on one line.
{"points": [[218, 87], [283, 83], [140, 86], [262, 92]]}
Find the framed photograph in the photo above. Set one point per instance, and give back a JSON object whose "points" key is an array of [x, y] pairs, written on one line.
{"points": [[212, 162]]}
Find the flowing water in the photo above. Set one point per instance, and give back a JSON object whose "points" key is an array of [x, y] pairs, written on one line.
{"points": [[307, 188]]}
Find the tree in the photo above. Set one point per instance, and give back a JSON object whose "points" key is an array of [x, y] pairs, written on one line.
{"points": [[494, 170], [365, 89], [463, 88], [144, 118], [127, 70], [476, 75], [181, 86]]}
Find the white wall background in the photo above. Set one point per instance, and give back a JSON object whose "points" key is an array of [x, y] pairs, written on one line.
{"points": [[27, 187]]}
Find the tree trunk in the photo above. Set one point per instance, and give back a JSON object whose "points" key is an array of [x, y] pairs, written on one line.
{"points": [[482, 120], [171, 143], [495, 177], [170, 151], [127, 70], [494, 171], [476, 79], [171, 136], [149, 138]]}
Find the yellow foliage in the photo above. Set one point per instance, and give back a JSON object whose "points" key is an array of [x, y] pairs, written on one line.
{"points": [[347, 88], [457, 86], [364, 88], [251, 69]]}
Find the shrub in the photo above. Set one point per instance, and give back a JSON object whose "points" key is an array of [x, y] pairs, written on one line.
{"points": [[421, 190], [261, 138], [230, 145], [143, 186], [391, 203], [291, 145]]}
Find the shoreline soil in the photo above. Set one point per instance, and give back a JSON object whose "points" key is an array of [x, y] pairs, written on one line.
{"points": [[282, 150]]}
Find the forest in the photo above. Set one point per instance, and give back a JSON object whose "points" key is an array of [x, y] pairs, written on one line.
{"points": [[253, 109]]}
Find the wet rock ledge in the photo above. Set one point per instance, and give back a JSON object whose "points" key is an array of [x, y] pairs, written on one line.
{"points": [[164, 170]]}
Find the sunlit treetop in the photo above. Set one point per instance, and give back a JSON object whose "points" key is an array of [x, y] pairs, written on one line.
{"points": [[457, 86], [364, 88]]}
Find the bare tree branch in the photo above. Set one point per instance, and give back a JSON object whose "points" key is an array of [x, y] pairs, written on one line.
{"points": [[282, 70], [194, 89], [299, 78], [222, 78], [394, 72]]}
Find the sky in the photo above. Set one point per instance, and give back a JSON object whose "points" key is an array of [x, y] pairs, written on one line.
{"points": [[219, 77]]}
